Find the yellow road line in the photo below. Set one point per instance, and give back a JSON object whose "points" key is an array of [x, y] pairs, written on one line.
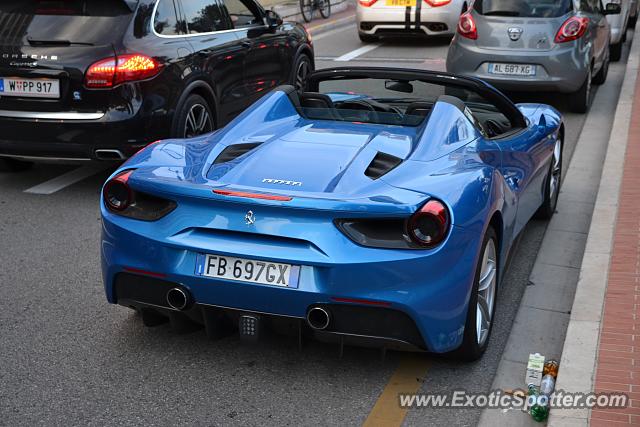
{"points": [[406, 379]]}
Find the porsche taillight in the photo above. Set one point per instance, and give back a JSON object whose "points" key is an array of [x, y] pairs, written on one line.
{"points": [[429, 226], [111, 72], [572, 29]]}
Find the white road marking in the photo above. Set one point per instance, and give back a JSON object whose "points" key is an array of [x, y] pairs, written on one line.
{"points": [[355, 53], [67, 179]]}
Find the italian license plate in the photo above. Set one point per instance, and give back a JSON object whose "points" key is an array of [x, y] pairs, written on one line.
{"points": [[29, 88], [247, 270], [401, 3], [513, 69]]}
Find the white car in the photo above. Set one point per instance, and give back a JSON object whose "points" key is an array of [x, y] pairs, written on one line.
{"points": [[376, 18], [618, 24]]}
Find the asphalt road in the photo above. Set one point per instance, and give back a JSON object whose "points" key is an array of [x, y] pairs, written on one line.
{"points": [[69, 358]]}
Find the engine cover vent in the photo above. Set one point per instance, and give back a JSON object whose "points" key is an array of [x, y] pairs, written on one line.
{"points": [[234, 151], [382, 164]]}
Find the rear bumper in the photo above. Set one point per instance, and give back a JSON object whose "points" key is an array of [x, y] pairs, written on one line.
{"points": [[431, 288], [433, 21], [561, 69]]}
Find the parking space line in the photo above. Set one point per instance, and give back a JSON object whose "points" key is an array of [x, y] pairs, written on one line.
{"points": [[355, 53], [67, 179], [406, 379]]}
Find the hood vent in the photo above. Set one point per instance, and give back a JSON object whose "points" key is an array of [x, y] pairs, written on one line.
{"points": [[382, 164], [232, 152]]}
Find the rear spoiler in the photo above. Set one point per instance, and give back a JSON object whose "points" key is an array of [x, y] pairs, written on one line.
{"points": [[132, 4]]}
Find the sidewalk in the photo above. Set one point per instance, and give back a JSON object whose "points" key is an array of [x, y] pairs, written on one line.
{"points": [[602, 347], [618, 362]]}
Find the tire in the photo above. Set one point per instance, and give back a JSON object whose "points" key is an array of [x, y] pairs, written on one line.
{"points": [[615, 51], [580, 101], [190, 121], [632, 21], [325, 8], [473, 347], [552, 184], [300, 72], [601, 77], [14, 165], [306, 9], [367, 38]]}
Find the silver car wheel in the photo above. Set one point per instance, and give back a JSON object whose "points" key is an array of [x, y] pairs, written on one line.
{"points": [[556, 172], [486, 292], [198, 121]]}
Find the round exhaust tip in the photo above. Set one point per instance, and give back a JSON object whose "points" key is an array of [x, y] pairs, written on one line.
{"points": [[318, 318], [178, 298]]}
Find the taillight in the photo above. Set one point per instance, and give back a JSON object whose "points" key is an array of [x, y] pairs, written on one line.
{"points": [[367, 3], [467, 26], [121, 199], [111, 72], [429, 226], [437, 3], [117, 193], [572, 29]]}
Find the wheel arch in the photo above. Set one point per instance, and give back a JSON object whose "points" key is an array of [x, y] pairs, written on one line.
{"points": [[197, 87]]}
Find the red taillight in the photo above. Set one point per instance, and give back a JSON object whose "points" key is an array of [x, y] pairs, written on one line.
{"points": [[117, 193], [467, 26], [429, 226], [361, 301], [437, 3], [572, 29], [253, 195], [111, 72], [367, 3]]}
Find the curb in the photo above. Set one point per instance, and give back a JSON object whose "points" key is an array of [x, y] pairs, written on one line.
{"points": [[579, 355]]}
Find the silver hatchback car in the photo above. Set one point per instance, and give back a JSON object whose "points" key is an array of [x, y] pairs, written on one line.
{"points": [[535, 45]]}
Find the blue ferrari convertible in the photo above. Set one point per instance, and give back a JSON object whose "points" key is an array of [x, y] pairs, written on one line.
{"points": [[375, 206]]}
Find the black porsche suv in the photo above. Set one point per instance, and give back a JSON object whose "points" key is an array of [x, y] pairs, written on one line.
{"points": [[100, 79]]}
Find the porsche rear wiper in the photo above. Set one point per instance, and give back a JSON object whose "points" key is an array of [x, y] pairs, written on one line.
{"points": [[34, 42], [502, 13]]}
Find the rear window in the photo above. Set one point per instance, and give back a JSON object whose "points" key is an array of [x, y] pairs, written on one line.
{"points": [[523, 8], [66, 7], [93, 22]]}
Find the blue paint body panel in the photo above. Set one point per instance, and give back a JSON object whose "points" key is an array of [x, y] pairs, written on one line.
{"points": [[445, 158]]}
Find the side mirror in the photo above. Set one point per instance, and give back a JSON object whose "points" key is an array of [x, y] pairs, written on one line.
{"points": [[273, 19], [612, 9]]}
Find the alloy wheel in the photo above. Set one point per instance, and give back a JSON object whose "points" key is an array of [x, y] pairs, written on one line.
{"points": [[556, 172], [486, 292], [302, 73], [198, 121]]}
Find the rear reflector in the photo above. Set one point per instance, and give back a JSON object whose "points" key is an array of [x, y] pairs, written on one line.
{"points": [[144, 272], [361, 301], [253, 195]]}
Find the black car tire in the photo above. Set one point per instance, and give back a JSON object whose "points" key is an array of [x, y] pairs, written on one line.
{"points": [[194, 103], [616, 51], [301, 69], [470, 349], [632, 21], [601, 77], [14, 165], [580, 101], [367, 38]]}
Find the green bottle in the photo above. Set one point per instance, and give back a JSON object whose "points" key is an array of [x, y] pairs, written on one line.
{"points": [[540, 409]]}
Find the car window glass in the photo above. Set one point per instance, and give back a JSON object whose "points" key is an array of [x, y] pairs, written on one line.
{"points": [[242, 13], [203, 16], [165, 21], [524, 8], [586, 6]]}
